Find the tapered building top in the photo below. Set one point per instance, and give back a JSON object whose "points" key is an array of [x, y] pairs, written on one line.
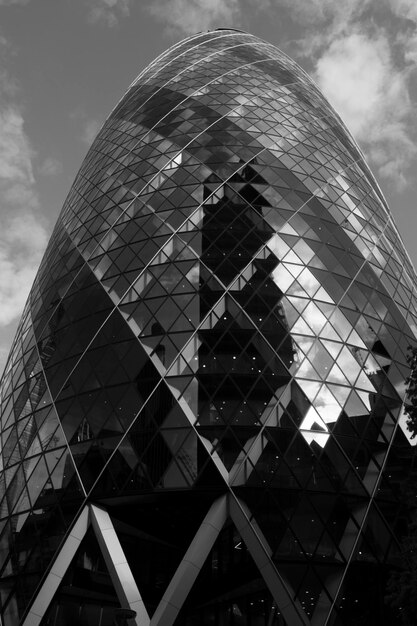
{"points": [[222, 316]]}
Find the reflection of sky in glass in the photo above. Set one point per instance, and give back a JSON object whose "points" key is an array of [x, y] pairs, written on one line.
{"points": [[325, 358]]}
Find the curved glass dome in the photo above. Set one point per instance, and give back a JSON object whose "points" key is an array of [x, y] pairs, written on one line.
{"points": [[220, 323]]}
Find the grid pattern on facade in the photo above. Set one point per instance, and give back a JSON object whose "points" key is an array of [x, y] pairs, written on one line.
{"points": [[225, 305]]}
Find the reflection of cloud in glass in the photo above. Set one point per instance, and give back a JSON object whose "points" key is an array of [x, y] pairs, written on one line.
{"points": [[310, 388], [327, 406], [328, 359], [276, 244], [325, 410], [314, 429], [282, 277], [349, 366], [314, 318], [194, 274], [309, 282]]}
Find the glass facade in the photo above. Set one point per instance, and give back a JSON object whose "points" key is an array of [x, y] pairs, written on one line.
{"points": [[221, 319]]}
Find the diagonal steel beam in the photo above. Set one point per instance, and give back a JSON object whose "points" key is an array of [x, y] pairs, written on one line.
{"points": [[119, 570], [190, 566], [60, 565], [260, 551]]}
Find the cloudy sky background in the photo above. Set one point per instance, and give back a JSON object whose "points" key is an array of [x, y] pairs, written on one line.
{"points": [[65, 63]]}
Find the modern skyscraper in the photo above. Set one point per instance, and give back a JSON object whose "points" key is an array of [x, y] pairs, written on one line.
{"points": [[202, 408]]}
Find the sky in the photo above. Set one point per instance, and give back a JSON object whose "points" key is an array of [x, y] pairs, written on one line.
{"points": [[64, 64]]}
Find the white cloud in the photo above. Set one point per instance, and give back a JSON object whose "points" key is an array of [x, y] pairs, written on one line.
{"points": [[90, 130], [358, 76], [6, 3], [410, 51], [322, 11], [354, 73], [88, 127], [407, 9], [363, 59], [15, 151], [50, 167], [108, 12], [22, 234], [404, 8], [22, 242], [191, 16]]}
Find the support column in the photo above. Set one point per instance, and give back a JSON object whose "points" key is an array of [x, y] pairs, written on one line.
{"points": [[190, 566], [58, 570], [258, 547], [119, 570]]}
